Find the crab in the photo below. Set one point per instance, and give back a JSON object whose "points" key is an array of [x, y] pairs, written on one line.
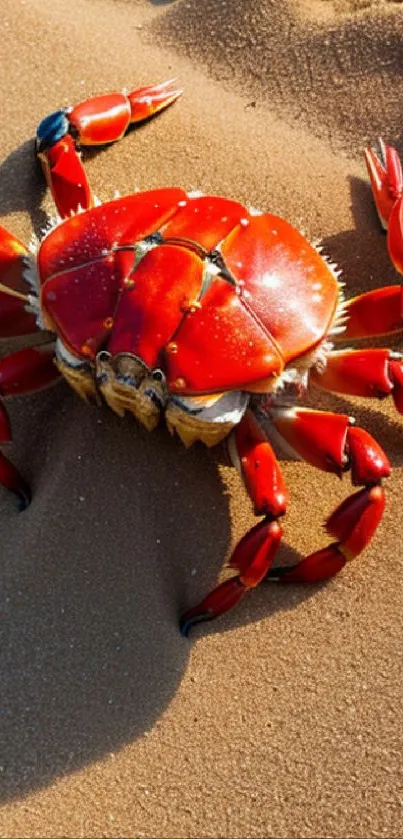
{"points": [[193, 309]]}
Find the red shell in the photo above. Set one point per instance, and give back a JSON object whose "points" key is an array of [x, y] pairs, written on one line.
{"points": [[217, 297]]}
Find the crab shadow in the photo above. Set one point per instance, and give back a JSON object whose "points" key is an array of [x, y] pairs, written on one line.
{"points": [[22, 186], [93, 581], [362, 252], [123, 530]]}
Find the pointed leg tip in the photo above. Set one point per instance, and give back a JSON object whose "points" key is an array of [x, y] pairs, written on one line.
{"points": [[24, 500], [188, 620]]}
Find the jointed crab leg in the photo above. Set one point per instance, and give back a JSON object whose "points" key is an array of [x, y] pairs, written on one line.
{"points": [[14, 317], [370, 372], [96, 121], [329, 442], [377, 312], [22, 372], [385, 173], [386, 176], [255, 552]]}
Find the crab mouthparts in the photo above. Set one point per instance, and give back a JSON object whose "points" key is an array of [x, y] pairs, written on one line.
{"points": [[127, 384]]}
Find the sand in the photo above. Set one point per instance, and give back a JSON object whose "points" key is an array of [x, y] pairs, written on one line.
{"points": [[285, 717]]}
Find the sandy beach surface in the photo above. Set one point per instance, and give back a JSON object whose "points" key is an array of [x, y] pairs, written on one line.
{"points": [[285, 717]]}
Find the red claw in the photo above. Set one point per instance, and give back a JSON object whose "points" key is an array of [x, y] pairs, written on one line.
{"points": [[147, 101], [104, 119], [96, 121]]}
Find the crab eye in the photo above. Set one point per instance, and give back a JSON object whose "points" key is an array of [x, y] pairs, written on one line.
{"points": [[157, 375], [104, 356]]}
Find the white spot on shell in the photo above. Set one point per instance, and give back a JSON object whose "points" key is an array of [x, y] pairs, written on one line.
{"points": [[270, 280]]}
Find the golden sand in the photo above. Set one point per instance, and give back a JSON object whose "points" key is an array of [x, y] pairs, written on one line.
{"points": [[285, 717]]}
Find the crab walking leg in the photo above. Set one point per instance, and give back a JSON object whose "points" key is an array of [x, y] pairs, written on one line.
{"points": [[378, 312], [14, 318], [331, 443], [386, 176], [94, 122], [372, 372], [254, 554], [22, 372]]}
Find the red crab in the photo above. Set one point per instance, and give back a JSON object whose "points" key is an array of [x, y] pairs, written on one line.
{"points": [[195, 309]]}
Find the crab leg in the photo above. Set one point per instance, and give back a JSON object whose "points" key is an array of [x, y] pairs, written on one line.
{"points": [[22, 372], [252, 557], [372, 372], [385, 173], [14, 318], [378, 312], [386, 176], [329, 442], [96, 121]]}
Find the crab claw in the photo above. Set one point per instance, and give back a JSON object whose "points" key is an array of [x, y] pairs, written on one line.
{"points": [[105, 119], [385, 172], [95, 122], [147, 101]]}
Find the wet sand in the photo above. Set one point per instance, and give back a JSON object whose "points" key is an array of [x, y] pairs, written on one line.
{"points": [[285, 717]]}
